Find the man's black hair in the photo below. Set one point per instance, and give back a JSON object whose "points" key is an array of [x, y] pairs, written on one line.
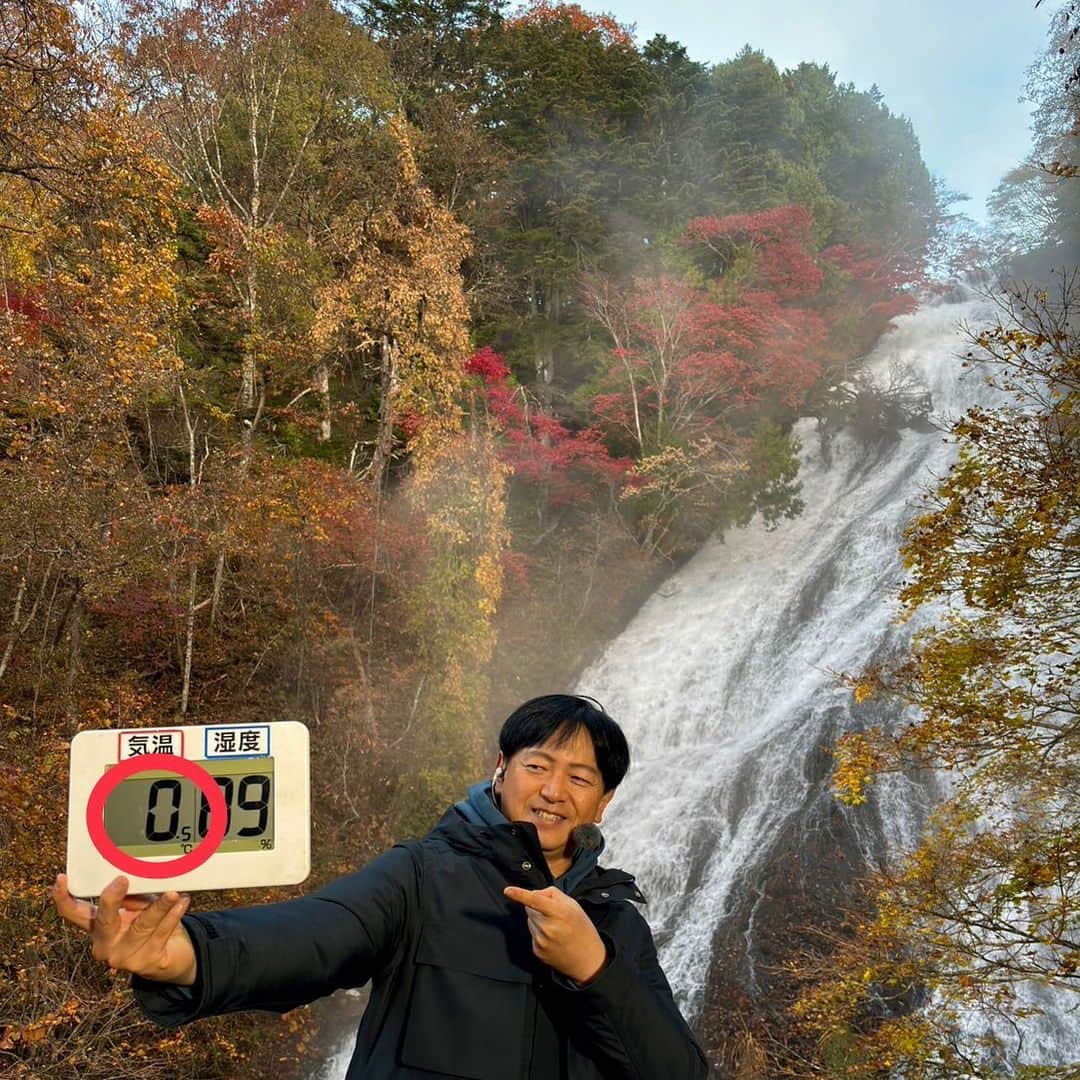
{"points": [[562, 716]]}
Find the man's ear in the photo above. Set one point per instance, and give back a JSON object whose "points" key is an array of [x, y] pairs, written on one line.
{"points": [[500, 772], [604, 805]]}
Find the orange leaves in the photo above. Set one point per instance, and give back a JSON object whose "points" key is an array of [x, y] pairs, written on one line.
{"points": [[577, 20], [227, 236], [39, 1029], [47, 79], [96, 259], [134, 189], [103, 267], [403, 285]]}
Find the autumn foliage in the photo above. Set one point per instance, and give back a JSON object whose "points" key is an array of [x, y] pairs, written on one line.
{"points": [[696, 364], [577, 20], [330, 389], [562, 466], [984, 908]]}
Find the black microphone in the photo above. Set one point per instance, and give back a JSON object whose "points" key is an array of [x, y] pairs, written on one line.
{"points": [[587, 838]]}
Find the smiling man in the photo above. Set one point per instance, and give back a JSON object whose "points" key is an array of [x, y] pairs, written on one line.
{"points": [[497, 947]]}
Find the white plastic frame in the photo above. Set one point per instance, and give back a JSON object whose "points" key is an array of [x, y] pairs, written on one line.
{"points": [[287, 863]]}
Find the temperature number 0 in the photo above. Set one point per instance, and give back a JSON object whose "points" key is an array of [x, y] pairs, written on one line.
{"points": [[157, 807]]}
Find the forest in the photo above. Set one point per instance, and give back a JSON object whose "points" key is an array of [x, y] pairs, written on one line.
{"points": [[368, 365]]}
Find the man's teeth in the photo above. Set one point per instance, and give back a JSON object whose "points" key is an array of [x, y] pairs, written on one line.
{"points": [[543, 815]]}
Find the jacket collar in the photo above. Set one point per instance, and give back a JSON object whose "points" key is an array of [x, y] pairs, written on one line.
{"points": [[476, 826]]}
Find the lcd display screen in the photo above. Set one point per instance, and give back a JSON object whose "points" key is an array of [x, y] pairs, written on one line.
{"points": [[161, 813]]}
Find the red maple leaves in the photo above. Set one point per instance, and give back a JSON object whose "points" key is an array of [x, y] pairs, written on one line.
{"points": [[699, 357], [568, 466], [781, 240]]}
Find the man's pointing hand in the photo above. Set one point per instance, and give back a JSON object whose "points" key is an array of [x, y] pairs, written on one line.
{"points": [[563, 936]]}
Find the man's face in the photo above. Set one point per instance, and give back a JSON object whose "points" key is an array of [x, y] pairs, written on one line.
{"points": [[556, 788]]}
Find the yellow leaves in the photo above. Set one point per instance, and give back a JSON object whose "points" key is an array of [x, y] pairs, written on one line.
{"points": [[864, 690], [103, 287], [410, 173], [458, 493], [402, 284], [19, 249], [489, 583], [909, 1037], [858, 758]]}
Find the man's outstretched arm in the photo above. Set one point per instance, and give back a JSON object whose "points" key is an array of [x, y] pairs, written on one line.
{"points": [[272, 956]]}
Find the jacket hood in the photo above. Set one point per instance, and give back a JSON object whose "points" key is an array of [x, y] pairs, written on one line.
{"points": [[479, 806], [477, 826]]}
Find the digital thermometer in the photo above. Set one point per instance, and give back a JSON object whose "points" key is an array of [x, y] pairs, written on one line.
{"points": [[219, 806]]}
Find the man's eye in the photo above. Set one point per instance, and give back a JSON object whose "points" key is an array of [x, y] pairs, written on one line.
{"points": [[584, 781], [534, 767]]}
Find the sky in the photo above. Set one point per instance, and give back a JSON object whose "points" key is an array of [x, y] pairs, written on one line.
{"points": [[955, 68]]}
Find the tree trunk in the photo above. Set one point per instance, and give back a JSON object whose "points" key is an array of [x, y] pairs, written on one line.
{"points": [[384, 444], [247, 384], [544, 342], [248, 361], [384, 441], [75, 628], [14, 632], [189, 637], [322, 386], [219, 574], [193, 576]]}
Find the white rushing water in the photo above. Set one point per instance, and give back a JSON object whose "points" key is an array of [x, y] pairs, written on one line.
{"points": [[725, 684]]}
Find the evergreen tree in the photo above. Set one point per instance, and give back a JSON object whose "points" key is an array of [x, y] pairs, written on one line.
{"points": [[564, 95]]}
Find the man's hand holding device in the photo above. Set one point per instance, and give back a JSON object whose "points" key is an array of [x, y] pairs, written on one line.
{"points": [[142, 935], [171, 809]]}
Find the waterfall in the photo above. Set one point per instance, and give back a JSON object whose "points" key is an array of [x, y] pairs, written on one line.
{"points": [[724, 682], [725, 685]]}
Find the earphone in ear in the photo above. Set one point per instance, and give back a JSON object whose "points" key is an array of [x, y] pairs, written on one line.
{"points": [[499, 774]]}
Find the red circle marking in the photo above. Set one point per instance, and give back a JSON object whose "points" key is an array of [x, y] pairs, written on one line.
{"points": [[95, 816]]}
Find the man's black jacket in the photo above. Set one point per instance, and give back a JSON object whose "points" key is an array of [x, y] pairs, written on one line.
{"points": [[456, 989]]}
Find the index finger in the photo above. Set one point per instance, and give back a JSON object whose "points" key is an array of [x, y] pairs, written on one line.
{"points": [[538, 899]]}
